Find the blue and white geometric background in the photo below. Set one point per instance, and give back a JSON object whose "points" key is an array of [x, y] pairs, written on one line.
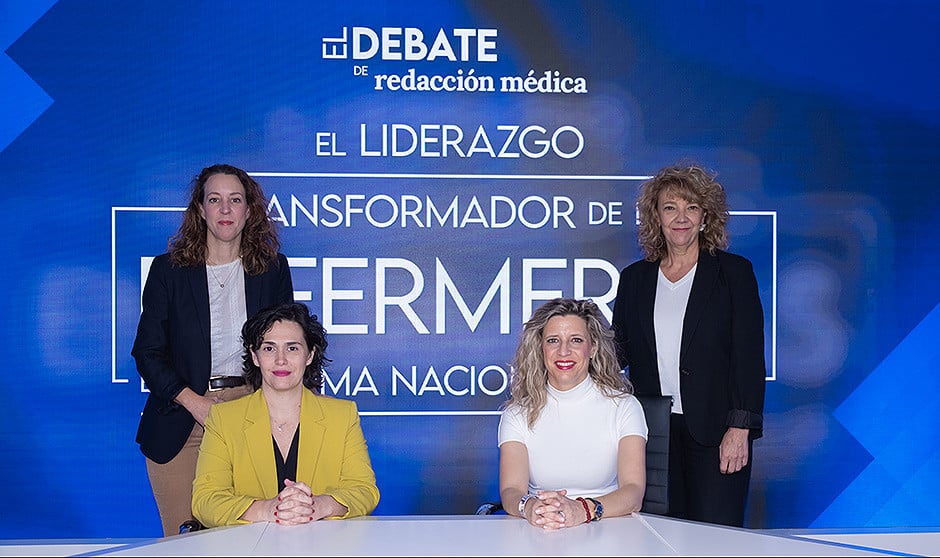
{"points": [[895, 421], [23, 99], [825, 115]]}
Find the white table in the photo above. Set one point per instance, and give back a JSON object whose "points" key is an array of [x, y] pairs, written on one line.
{"points": [[501, 535]]}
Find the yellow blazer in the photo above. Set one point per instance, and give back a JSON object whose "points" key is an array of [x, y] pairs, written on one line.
{"points": [[236, 458]]}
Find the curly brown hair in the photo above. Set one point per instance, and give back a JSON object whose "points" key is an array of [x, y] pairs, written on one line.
{"points": [[259, 242], [260, 324], [529, 379], [693, 184]]}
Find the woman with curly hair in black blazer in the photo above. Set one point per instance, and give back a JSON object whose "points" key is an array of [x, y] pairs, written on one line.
{"points": [[689, 323], [222, 266]]}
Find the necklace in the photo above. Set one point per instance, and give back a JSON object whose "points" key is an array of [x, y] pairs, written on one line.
{"points": [[279, 425], [228, 276]]}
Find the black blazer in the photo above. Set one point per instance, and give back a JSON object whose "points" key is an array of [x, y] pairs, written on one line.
{"points": [[721, 356], [172, 345]]}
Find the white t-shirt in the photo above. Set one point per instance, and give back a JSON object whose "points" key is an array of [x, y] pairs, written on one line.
{"points": [[573, 444], [668, 315]]}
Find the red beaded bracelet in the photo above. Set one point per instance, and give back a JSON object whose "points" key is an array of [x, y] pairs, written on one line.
{"points": [[587, 511]]}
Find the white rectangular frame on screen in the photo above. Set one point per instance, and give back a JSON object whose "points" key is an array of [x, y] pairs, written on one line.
{"points": [[305, 262]]}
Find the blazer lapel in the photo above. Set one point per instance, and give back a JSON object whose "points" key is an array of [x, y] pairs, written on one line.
{"points": [[260, 444], [254, 285], [199, 287], [706, 276], [312, 432], [646, 301]]}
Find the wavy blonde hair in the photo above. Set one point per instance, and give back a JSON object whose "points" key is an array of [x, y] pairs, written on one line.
{"points": [[693, 184], [530, 377]]}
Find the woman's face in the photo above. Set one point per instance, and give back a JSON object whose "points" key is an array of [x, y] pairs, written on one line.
{"points": [[224, 208], [283, 356], [680, 221], [566, 349]]}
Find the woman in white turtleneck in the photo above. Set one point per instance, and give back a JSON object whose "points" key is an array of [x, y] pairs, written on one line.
{"points": [[572, 438]]}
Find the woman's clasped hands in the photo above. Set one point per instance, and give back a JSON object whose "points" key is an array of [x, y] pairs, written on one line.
{"points": [[294, 505], [297, 504], [554, 510]]}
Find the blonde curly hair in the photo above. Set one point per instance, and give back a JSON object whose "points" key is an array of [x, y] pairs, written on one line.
{"points": [[530, 377], [693, 184]]}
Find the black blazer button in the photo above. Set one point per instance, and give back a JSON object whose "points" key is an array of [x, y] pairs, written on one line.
{"points": [[685, 371]]}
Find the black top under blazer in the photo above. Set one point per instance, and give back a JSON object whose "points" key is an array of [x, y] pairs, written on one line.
{"points": [[172, 348], [721, 358]]}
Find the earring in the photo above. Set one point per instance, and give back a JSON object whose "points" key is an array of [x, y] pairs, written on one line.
{"points": [[701, 227]]}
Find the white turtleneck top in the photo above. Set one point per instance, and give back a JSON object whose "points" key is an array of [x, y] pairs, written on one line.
{"points": [[573, 444]]}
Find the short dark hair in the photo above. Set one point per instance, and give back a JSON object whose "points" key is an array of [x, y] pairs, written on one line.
{"points": [[257, 326]]}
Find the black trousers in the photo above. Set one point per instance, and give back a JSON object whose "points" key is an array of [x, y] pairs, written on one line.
{"points": [[697, 488]]}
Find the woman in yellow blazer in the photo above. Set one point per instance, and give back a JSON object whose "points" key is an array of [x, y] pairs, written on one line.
{"points": [[283, 454]]}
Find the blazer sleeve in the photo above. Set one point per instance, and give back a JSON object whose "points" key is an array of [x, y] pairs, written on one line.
{"points": [[748, 369], [215, 502], [356, 488], [151, 346]]}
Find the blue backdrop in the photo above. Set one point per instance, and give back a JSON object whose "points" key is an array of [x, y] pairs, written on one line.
{"points": [[438, 169]]}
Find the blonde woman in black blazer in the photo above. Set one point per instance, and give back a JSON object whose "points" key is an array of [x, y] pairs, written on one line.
{"points": [[689, 323], [222, 265]]}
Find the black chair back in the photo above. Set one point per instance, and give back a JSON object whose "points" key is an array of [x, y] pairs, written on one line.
{"points": [[657, 409]]}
